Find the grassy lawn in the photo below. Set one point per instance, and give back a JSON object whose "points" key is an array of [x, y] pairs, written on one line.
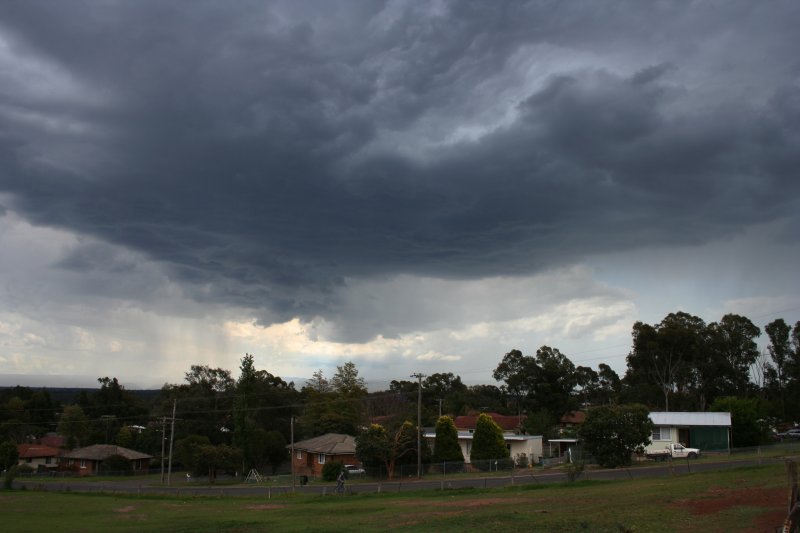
{"points": [[745, 499]]}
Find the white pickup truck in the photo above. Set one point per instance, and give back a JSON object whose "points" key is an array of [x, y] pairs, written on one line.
{"points": [[674, 451]]}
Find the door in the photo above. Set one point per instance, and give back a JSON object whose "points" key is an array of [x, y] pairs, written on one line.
{"points": [[683, 437]]}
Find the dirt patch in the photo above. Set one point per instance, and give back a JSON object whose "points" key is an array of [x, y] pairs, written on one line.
{"points": [[719, 499], [476, 502], [126, 509], [264, 507]]}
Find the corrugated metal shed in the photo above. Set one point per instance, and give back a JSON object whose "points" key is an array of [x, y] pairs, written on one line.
{"points": [[691, 419]]}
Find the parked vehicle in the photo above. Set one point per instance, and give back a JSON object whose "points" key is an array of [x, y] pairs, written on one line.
{"points": [[353, 470], [791, 434], [674, 451]]}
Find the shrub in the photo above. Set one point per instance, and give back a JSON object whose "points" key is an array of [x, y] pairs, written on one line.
{"points": [[8, 479], [25, 469], [331, 469], [487, 441], [116, 465], [446, 447]]}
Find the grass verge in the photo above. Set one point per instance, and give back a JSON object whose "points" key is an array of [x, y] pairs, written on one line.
{"points": [[743, 499]]}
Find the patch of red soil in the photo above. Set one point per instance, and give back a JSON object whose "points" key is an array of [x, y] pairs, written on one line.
{"points": [[722, 498], [264, 507], [772, 501]]}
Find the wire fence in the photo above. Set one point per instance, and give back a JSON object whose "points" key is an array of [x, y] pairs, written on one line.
{"points": [[433, 476]]}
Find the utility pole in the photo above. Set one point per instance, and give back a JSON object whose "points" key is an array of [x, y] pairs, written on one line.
{"points": [[163, 440], [419, 422], [171, 438], [440, 400], [291, 451]]}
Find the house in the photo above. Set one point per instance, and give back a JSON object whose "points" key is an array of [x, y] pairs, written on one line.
{"points": [[42, 458], [87, 461], [706, 431], [310, 455], [518, 445]]}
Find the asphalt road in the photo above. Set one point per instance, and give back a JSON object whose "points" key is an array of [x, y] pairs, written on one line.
{"points": [[429, 482]]}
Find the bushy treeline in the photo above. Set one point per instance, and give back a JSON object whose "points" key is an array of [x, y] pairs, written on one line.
{"points": [[678, 364]]}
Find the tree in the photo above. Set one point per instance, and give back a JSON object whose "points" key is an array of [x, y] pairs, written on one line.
{"points": [[267, 448], [186, 451], [446, 447], [732, 350], [611, 433], [745, 414], [487, 441], [377, 447], [609, 385], [663, 357], [125, 438], [212, 459], [779, 350], [74, 425], [204, 402], [544, 382], [347, 383], [9, 455], [318, 383], [339, 411], [446, 388]]}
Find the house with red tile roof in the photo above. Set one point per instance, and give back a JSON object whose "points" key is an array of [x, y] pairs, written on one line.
{"points": [[38, 456], [519, 445], [510, 424]]}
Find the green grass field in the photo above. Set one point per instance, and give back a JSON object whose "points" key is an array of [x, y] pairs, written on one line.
{"points": [[745, 499]]}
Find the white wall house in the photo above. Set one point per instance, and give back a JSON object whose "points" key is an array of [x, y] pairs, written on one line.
{"points": [[530, 445], [706, 431]]}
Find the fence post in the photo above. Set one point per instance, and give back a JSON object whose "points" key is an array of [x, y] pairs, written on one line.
{"points": [[793, 516]]}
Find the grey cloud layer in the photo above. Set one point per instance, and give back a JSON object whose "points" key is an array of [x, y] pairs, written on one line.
{"points": [[265, 153]]}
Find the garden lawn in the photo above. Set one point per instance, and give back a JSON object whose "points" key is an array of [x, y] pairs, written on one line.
{"points": [[745, 499]]}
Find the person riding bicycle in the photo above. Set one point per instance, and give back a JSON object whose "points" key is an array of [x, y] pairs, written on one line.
{"points": [[340, 482]]}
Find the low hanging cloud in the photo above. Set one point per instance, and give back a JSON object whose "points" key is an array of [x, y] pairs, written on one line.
{"points": [[259, 157]]}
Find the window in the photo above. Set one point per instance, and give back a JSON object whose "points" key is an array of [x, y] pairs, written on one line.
{"points": [[48, 460], [661, 433], [321, 458], [70, 462], [83, 463], [299, 454]]}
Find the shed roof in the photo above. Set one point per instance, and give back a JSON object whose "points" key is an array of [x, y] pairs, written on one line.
{"points": [[691, 419], [101, 452], [329, 443]]}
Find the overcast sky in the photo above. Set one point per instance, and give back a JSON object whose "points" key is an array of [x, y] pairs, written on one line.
{"points": [[413, 186]]}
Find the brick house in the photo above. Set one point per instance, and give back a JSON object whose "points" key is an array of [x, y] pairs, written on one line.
{"points": [[310, 455], [87, 461]]}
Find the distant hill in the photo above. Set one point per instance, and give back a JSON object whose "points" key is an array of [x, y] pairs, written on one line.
{"points": [[68, 395]]}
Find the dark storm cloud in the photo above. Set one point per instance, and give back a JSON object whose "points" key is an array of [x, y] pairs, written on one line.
{"points": [[265, 153]]}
